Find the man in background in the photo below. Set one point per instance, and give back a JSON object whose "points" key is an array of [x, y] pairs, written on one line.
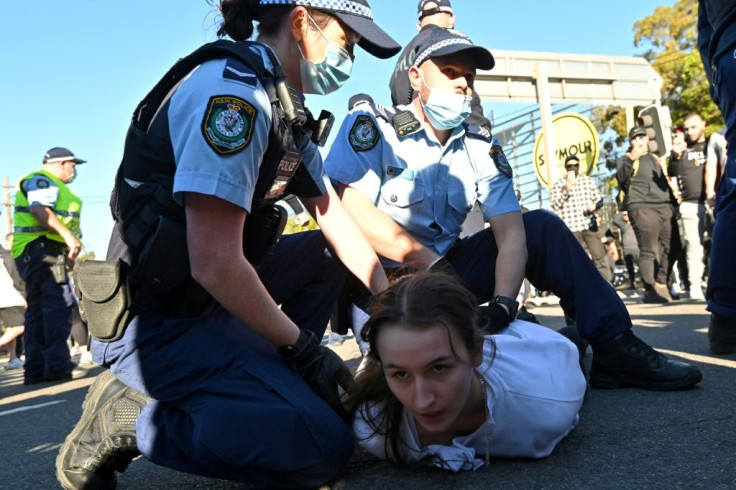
{"points": [[687, 173], [47, 233], [576, 199]]}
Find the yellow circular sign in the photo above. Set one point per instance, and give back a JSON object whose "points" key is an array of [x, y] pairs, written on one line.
{"points": [[574, 135]]}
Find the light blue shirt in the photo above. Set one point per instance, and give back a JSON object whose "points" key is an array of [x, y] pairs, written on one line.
{"points": [[426, 188], [199, 167]]}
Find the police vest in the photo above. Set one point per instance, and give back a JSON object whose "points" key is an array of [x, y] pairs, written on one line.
{"points": [[27, 228], [146, 214]]}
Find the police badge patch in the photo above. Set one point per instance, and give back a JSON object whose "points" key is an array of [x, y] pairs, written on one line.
{"points": [[502, 164], [228, 124], [364, 134]]}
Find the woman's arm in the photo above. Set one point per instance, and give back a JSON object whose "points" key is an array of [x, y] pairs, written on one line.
{"points": [[347, 240], [220, 267]]}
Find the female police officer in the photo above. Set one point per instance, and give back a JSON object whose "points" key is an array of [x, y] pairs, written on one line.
{"points": [[254, 409]]}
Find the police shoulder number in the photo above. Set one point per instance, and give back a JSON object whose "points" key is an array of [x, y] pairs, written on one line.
{"points": [[228, 124], [364, 134]]}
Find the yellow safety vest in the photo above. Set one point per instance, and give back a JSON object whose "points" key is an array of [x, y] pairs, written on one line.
{"points": [[27, 228]]}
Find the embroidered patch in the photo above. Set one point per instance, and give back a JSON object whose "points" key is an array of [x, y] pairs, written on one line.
{"points": [[43, 183], [364, 135], [228, 124], [502, 164]]}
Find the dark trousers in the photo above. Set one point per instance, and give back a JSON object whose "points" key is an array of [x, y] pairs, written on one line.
{"points": [[556, 263], [592, 240], [631, 259], [653, 228], [225, 404], [48, 318], [721, 292]]}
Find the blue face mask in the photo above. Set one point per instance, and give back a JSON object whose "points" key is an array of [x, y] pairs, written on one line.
{"points": [[445, 110], [74, 176], [328, 75]]}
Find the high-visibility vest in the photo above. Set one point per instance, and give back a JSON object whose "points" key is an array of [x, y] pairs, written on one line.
{"points": [[27, 228]]}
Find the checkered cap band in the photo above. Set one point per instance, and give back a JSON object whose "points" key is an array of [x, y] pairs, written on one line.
{"points": [[337, 5], [439, 45]]}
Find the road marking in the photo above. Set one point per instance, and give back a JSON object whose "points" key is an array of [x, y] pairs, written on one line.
{"points": [[716, 361], [31, 407]]}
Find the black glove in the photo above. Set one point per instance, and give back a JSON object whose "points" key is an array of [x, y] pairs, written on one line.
{"points": [[493, 317], [320, 367]]}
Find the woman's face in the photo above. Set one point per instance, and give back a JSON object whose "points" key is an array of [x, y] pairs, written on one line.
{"points": [[313, 43], [426, 376]]}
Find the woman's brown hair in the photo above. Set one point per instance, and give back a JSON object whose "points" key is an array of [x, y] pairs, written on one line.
{"points": [[421, 299]]}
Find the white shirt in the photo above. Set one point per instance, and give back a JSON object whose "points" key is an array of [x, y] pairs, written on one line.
{"points": [[535, 391]]}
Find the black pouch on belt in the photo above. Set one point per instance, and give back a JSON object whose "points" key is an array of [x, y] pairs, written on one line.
{"points": [[57, 266], [104, 297]]}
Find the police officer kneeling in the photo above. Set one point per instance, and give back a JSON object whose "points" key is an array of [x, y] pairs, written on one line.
{"points": [[216, 367]]}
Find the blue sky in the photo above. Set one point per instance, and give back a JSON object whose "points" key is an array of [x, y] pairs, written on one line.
{"points": [[72, 72]]}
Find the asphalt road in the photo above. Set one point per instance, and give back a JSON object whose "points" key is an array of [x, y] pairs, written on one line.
{"points": [[626, 438]]}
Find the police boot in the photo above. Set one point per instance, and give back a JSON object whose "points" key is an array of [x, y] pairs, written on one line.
{"points": [[104, 439], [625, 360]]}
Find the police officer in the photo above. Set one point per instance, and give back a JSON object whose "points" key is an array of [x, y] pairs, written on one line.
{"points": [[47, 233], [716, 42], [413, 185], [432, 14], [215, 143]]}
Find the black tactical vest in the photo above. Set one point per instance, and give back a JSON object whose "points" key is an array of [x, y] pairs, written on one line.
{"points": [[150, 232]]}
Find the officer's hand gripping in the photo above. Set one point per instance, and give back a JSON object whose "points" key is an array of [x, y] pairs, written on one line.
{"points": [[320, 367], [493, 317]]}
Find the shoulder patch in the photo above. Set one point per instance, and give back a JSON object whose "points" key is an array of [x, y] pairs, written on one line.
{"points": [[502, 164], [239, 72], [42, 183], [228, 124], [364, 134]]}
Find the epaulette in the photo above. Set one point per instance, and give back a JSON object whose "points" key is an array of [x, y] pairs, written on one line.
{"points": [[238, 71], [478, 132]]}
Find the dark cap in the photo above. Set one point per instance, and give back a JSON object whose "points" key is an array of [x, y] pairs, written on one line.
{"points": [[59, 154], [358, 16], [432, 43], [572, 160], [358, 99], [431, 7], [637, 131]]}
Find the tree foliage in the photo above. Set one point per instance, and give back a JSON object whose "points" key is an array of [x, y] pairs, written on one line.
{"points": [[668, 38]]}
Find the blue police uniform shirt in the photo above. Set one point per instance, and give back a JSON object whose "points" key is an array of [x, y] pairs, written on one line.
{"points": [[229, 176], [41, 190], [426, 188]]}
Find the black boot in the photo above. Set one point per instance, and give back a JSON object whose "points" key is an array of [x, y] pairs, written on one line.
{"points": [[103, 441], [722, 334], [625, 360]]}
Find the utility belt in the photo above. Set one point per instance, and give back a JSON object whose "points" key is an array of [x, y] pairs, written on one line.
{"points": [[52, 254], [112, 292], [47, 244]]}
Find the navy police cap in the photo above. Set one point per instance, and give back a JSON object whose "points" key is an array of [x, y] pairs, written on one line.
{"points": [[432, 43], [358, 16], [59, 154], [431, 7]]}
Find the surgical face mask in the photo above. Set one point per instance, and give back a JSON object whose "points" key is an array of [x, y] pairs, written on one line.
{"points": [[328, 75], [444, 109], [74, 176]]}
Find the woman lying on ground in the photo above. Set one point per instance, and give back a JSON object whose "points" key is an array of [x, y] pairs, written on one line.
{"points": [[441, 393]]}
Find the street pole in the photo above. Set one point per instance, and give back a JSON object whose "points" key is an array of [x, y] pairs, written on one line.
{"points": [[8, 206]]}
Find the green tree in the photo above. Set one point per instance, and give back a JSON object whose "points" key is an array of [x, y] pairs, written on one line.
{"points": [[668, 38]]}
